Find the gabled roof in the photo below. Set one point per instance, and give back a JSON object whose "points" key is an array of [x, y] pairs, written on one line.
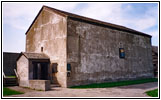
{"points": [[36, 56], [90, 20]]}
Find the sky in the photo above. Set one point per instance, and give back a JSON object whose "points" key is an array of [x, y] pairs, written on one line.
{"points": [[17, 17]]}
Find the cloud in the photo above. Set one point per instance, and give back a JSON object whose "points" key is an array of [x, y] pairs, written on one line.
{"points": [[153, 33], [102, 11], [30, 9], [117, 13], [155, 37], [21, 15], [109, 12], [145, 21]]}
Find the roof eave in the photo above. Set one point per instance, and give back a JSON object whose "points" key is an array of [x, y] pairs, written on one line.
{"points": [[110, 26], [38, 59], [34, 20], [20, 56], [44, 7], [74, 16]]}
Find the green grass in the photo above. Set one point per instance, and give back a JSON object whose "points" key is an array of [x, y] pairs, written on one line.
{"points": [[152, 93], [11, 76], [7, 91], [114, 84]]}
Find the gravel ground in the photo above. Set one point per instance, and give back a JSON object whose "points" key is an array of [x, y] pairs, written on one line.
{"points": [[122, 91]]}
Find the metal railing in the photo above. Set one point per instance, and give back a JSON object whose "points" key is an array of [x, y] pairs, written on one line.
{"points": [[4, 75], [16, 73]]}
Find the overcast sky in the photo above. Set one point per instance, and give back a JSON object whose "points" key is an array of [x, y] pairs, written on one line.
{"points": [[17, 17]]}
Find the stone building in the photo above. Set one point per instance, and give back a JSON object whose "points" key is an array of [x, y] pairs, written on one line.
{"points": [[155, 60], [82, 50], [9, 63]]}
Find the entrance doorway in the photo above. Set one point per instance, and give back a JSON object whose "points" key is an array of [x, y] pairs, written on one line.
{"points": [[40, 71]]}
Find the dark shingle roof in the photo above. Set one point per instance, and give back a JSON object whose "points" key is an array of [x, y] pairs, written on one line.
{"points": [[34, 56], [90, 20]]}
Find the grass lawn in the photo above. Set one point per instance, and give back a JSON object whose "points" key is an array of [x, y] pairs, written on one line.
{"points": [[11, 76], [7, 91], [114, 84], [152, 93]]}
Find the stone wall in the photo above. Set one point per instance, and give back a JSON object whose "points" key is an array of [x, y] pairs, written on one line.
{"points": [[49, 32], [39, 84], [9, 63], [23, 71], [155, 60], [93, 53]]}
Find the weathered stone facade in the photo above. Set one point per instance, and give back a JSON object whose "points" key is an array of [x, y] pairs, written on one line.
{"points": [[93, 52], [89, 48], [23, 71], [155, 60], [33, 71], [40, 84], [50, 31]]}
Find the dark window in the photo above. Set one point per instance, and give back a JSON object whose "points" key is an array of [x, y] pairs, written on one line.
{"points": [[68, 67], [68, 74], [41, 49], [122, 52]]}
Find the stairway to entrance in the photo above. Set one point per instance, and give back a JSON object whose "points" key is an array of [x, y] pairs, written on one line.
{"points": [[54, 85], [10, 81]]}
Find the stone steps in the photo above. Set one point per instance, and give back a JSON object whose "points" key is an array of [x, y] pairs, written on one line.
{"points": [[55, 85], [10, 81]]}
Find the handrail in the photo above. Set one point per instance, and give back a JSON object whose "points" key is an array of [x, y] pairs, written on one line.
{"points": [[4, 75], [16, 73]]}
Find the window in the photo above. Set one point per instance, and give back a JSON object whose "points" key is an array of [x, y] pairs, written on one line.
{"points": [[68, 67], [41, 49], [122, 52], [68, 70], [68, 74]]}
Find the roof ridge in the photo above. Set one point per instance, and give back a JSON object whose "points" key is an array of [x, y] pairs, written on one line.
{"points": [[83, 18], [32, 55]]}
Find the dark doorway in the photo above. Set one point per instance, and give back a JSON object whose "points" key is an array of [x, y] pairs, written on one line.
{"points": [[40, 70], [44, 71], [35, 68]]}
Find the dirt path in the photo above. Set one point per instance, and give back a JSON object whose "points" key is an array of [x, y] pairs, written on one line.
{"points": [[122, 91]]}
